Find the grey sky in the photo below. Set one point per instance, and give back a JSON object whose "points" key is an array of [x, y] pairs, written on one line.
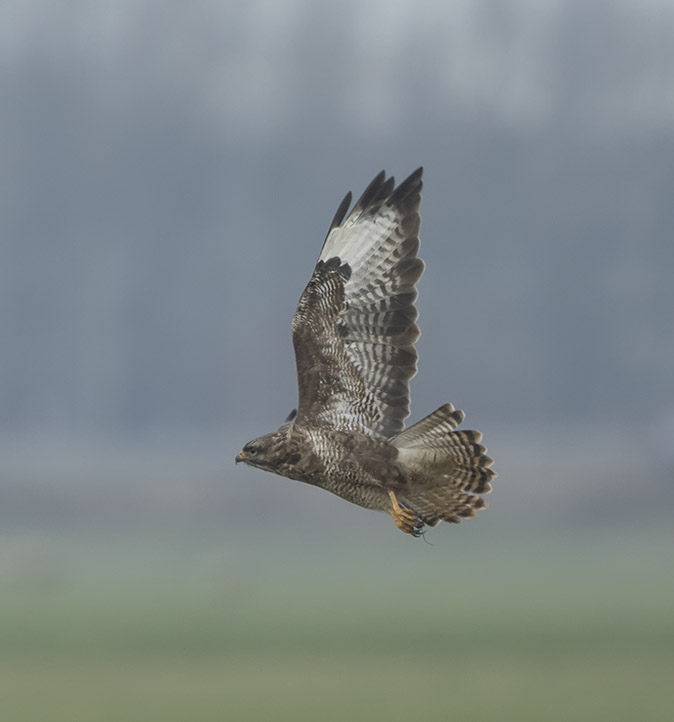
{"points": [[169, 169]]}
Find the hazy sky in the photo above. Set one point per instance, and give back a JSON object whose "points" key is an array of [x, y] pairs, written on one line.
{"points": [[169, 171]]}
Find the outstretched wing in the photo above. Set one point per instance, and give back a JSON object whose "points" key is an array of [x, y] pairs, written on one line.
{"points": [[354, 330]]}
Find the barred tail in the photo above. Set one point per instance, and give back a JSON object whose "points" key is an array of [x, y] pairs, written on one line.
{"points": [[448, 469]]}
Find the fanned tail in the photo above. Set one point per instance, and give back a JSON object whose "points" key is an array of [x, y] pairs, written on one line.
{"points": [[448, 470]]}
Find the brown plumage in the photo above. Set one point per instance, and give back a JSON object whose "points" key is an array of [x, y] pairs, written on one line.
{"points": [[354, 333]]}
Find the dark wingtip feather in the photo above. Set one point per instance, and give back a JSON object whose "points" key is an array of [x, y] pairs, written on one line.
{"points": [[372, 192], [383, 189], [341, 212], [409, 188]]}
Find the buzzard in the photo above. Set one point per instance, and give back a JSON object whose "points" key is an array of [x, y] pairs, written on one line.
{"points": [[354, 333]]}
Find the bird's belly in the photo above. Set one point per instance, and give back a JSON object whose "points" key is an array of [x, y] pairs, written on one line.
{"points": [[345, 481]]}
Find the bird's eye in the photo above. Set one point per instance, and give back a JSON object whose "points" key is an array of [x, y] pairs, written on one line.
{"points": [[252, 451]]}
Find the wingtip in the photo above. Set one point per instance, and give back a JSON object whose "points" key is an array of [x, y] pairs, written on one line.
{"points": [[409, 188], [340, 213], [378, 188]]}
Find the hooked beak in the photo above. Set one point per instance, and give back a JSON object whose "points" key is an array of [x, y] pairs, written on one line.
{"points": [[239, 457]]}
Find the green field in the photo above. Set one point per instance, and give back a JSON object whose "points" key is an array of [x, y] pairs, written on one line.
{"points": [[573, 635]]}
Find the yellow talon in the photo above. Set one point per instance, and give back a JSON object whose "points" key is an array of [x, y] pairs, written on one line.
{"points": [[406, 520]]}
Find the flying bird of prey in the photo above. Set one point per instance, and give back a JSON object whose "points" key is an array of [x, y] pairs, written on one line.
{"points": [[354, 333]]}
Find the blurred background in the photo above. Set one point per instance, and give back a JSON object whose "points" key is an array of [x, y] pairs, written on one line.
{"points": [[168, 172]]}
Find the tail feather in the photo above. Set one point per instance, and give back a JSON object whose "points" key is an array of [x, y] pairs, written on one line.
{"points": [[433, 426], [433, 506], [447, 469]]}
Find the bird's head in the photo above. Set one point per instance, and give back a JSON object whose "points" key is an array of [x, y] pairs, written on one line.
{"points": [[257, 452], [267, 452]]}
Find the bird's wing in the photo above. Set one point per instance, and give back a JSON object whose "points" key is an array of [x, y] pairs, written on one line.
{"points": [[354, 330]]}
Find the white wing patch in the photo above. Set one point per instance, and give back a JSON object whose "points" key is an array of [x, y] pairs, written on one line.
{"points": [[360, 239]]}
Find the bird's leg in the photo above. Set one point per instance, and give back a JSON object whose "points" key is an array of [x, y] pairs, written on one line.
{"points": [[406, 520]]}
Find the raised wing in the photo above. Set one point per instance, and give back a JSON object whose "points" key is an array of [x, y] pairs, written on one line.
{"points": [[354, 330]]}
